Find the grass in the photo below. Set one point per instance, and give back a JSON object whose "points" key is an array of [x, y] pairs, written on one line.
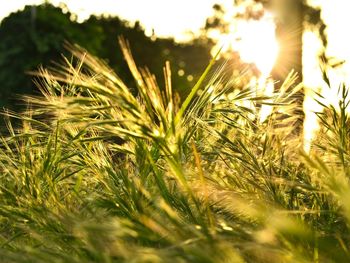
{"points": [[96, 174]]}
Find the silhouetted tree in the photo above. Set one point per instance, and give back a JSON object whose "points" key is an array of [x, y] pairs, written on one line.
{"points": [[37, 34], [292, 18], [32, 37]]}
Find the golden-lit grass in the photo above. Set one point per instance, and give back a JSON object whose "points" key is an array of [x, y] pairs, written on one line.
{"points": [[97, 174]]}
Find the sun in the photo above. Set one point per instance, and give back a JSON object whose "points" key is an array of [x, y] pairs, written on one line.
{"points": [[257, 43], [254, 40]]}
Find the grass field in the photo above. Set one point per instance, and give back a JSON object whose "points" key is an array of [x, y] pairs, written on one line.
{"points": [[96, 174]]}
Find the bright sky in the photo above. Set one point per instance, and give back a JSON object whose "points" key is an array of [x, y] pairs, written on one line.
{"points": [[174, 18], [167, 17]]}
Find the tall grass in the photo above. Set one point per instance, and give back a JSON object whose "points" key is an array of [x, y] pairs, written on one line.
{"points": [[96, 174]]}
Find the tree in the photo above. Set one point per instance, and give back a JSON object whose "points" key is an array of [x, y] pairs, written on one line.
{"points": [[45, 28], [292, 18], [41, 32]]}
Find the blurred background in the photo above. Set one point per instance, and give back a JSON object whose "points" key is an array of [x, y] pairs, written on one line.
{"points": [[264, 38]]}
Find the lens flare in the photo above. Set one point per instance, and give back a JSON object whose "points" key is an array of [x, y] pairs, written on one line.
{"points": [[258, 43]]}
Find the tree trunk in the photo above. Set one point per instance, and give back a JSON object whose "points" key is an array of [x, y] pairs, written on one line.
{"points": [[289, 32]]}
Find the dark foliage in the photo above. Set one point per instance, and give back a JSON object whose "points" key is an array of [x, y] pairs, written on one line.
{"points": [[36, 36]]}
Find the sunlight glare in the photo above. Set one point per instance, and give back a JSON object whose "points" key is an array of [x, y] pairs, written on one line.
{"points": [[312, 79], [254, 40], [258, 43]]}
